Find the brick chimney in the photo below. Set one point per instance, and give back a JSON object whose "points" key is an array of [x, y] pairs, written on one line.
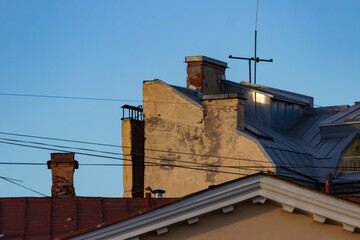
{"points": [[62, 167], [205, 74]]}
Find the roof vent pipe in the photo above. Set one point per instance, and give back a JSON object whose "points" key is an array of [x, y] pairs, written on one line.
{"points": [[328, 183], [158, 193], [148, 197]]}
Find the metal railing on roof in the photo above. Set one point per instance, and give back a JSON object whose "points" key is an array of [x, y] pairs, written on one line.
{"points": [[351, 164], [132, 112]]}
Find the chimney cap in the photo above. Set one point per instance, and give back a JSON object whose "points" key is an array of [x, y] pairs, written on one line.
{"points": [[57, 158], [205, 59], [158, 191]]}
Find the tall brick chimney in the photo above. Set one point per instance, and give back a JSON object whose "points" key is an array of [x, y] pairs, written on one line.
{"points": [[205, 74], [62, 167]]}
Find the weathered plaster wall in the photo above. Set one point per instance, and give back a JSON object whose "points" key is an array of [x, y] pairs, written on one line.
{"points": [[189, 136], [258, 222]]}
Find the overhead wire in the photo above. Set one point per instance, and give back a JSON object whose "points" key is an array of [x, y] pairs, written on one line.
{"points": [[93, 98], [68, 97], [164, 165], [167, 159], [116, 158], [249, 168], [30, 189], [148, 149]]}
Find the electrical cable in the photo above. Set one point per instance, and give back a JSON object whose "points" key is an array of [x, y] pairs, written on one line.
{"points": [[11, 181], [115, 158], [252, 168], [68, 97], [147, 149], [166, 159]]}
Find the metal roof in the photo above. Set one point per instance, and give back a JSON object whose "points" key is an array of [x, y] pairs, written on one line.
{"points": [[301, 150], [352, 112], [280, 94]]}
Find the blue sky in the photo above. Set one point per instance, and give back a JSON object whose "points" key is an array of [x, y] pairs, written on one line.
{"points": [[105, 49]]}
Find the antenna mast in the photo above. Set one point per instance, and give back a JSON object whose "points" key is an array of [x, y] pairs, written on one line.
{"points": [[255, 58]]}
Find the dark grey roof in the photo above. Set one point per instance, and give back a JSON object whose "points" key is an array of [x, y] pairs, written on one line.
{"points": [[287, 151], [280, 94], [302, 149], [190, 93], [352, 112]]}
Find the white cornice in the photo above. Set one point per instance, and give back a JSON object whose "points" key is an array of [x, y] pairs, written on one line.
{"points": [[225, 196]]}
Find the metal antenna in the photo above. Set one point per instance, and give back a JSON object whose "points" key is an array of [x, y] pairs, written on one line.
{"points": [[255, 58]]}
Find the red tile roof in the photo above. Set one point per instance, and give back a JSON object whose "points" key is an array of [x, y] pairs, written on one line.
{"points": [[48, 218], [355, 199]]}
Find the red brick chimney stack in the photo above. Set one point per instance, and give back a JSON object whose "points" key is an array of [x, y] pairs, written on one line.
{"points": [[62, 167], [205, 74]]}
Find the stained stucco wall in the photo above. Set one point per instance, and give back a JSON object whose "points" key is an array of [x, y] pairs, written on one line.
{"points": [[255, 222], [195, 137]]}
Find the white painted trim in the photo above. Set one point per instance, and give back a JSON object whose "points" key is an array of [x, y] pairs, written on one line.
{"points": [[192, 220], [348, 227], [258, 199], [161, 231], [227, 209], [318, 218], [288, 208], [278, 190]]}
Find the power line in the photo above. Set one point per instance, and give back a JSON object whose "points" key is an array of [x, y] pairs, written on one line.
{"points": [[116, 158], [106, 152], [166, 159], [114, 145], [67, 97], [13, 179], [61, 146], [87, 98], [248, 168], [13, 182], [156, 164]]}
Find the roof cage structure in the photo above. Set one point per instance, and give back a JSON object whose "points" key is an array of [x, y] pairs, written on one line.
{"points": [[132, 112]]}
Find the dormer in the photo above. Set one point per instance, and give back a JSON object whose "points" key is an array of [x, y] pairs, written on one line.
{"points": [[273, 107], [342, 124]]}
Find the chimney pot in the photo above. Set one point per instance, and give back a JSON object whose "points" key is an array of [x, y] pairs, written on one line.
{"points": [[148, 197], [158, 193], [328, 183], [62, 167]]}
